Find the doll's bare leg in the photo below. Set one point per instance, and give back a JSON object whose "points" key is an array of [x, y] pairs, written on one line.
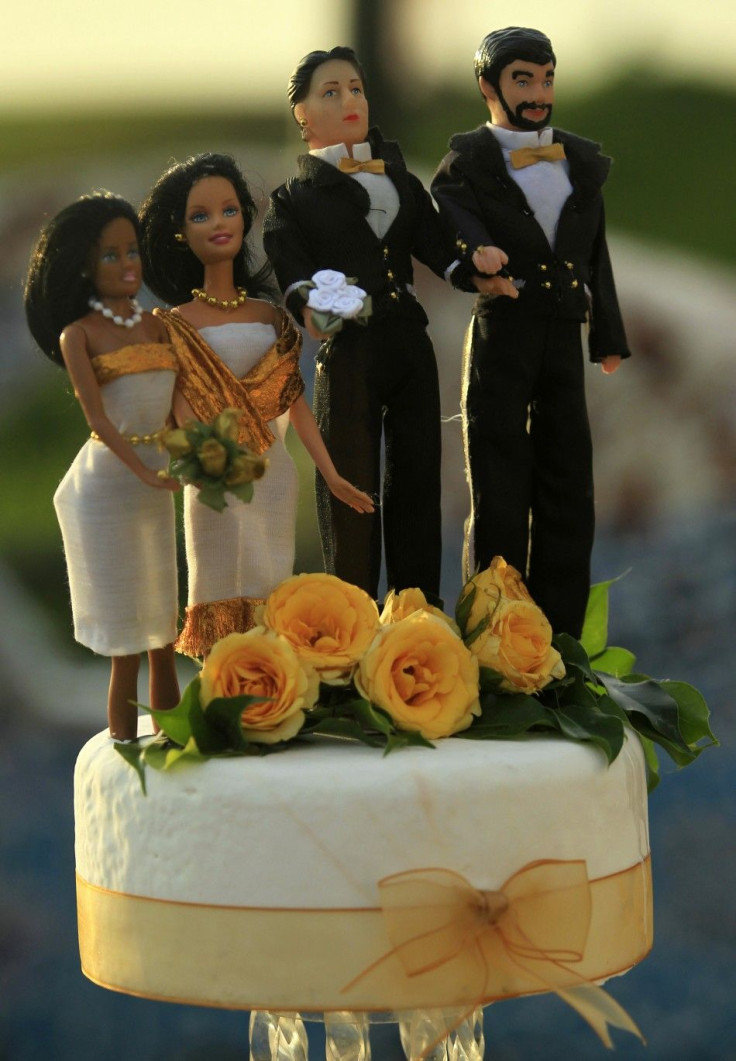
{"points": [[163, 684], [122, 714]]}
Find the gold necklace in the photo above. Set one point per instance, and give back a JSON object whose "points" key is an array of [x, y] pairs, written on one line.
{"points": [[221, 303]]}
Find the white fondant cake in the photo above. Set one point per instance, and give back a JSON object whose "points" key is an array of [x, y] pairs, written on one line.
{"points": [[253, 882]]}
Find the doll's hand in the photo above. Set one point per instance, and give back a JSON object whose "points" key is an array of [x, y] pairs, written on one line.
{"points": [[161, 481], [307, 314], [351, 495], [610, 364], [495, 285], [489, 260]]}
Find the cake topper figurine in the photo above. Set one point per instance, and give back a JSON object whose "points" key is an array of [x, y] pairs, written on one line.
{"points": [[353, 208], [236, 350], [523, 202], [114, 505]]}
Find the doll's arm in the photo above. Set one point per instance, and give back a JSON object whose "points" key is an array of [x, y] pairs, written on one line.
{"points": [[306, 428], [73, 346], [287, 248], [606, 337]]}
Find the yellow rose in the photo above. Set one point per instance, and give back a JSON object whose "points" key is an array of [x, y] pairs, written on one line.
{"points": [[508, 632], [329, 623], [245, 468], [398, 606], [422, 674], [177, 443], [260, 663], [213, 457], [227, 424]]}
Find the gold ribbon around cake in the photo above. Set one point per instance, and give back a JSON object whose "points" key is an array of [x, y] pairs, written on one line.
{"points": [[524, 938], [434, 943]]}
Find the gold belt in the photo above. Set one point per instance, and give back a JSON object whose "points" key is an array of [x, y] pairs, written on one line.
{"points": [[137, 440]]}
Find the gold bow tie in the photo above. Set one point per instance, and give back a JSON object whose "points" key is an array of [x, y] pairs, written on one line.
{"points": [[371, 165], [527, 156]]}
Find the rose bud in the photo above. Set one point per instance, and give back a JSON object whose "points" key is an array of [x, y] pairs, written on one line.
{"points": [[213, 457], [176, 442]]}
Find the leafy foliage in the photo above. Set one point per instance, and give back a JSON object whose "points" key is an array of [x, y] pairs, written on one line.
{"points": [[599, 697], [597, 700]]}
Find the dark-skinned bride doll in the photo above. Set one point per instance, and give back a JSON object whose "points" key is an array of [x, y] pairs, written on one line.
{"points": [[236, 350], [115, 504]]}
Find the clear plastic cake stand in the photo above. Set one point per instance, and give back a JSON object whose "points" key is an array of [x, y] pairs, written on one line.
{"points": [[432, 1035]]}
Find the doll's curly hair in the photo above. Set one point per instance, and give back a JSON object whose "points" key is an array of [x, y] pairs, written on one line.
{"points": [[170, 269], [59, 282]]}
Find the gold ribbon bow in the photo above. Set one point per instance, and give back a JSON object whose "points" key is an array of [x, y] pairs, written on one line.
{"points": [[351, 165], [527, 156], [491, 944]]}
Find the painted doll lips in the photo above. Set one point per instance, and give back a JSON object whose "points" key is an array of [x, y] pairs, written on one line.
{"points": [[220, 237], [350, 118]]}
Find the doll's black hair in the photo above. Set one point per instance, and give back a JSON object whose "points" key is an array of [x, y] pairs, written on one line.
{"points": [[503, 46], [301, 77], [170, 269], [59, 282]]}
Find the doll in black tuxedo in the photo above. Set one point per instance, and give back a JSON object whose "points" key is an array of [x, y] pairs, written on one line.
{"points": [[354, 207], [523, 203]]}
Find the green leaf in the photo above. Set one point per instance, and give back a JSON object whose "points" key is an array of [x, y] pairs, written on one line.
{"points": [[212, 496], [370, 716], [208, 738], [327, 322], [186, 467], [651, 762], [649, 707], [133, 753], [692, 714], [464, 607], [348, 728], [616, 661], [175, 723], [507, 716], [223, 714], [586, 723], [243, 492], [489, 680], [594, 637], [573, 655], [406, 739]]}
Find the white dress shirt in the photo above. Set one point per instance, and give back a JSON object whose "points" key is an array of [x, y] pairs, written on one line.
{"points": [[546, 185]]}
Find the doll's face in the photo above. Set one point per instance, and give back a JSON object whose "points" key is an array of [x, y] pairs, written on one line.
{"points": [[335, 107], [213, 220], [525, 96], [116, 261]]}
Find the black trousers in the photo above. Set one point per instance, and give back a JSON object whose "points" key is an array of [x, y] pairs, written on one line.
{"points": [[529, 458], [372, 381]]}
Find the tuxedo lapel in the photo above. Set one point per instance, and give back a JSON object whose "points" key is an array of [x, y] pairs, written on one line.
{"points": [[320, 174]]}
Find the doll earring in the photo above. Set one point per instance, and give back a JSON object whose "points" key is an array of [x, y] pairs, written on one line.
{"points": [[179, 237], [303, 127]]}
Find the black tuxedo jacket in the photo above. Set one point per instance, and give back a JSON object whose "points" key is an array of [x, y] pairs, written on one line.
{"points": [[481, 204], [317, 220]]}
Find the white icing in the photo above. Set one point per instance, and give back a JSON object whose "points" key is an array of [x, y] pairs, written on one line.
{"points": [[318, 825]]}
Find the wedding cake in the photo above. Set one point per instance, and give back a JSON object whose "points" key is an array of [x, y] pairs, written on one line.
{"points": [[306, 879]]}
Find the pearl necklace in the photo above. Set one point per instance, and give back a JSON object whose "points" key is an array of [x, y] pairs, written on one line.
{"points": [[221, 303], [122, 322]]}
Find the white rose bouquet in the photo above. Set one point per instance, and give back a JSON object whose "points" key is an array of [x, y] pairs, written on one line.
{"points": [[334, 298]]}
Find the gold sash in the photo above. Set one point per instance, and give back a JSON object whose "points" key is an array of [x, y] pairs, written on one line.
{"points": [[363, 959], [269, 389]]}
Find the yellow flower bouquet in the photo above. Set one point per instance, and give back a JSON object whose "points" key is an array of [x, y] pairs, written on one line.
{"points": [[322, 663], [208, 456]]}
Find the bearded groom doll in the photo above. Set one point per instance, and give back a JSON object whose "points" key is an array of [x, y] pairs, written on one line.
{"points": [[523, 203]]}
